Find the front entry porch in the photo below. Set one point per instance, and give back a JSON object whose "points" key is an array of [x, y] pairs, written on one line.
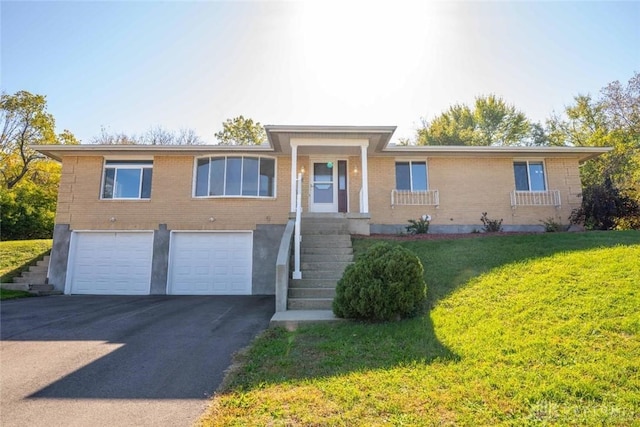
{"points": [[334, 175], [315, 151], [329, 203]]}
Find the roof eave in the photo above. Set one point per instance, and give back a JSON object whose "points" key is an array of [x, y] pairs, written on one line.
{"points": [[583, 153], [57, 151]]}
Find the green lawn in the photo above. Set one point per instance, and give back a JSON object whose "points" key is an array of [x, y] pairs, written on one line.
{"points": [[524, 330], [6, 294], [16, 255]]}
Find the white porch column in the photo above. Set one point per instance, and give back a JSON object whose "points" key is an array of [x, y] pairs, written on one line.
{"points": [[294, 168], [364, 208]]}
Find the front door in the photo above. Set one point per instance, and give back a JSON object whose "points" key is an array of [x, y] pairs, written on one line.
{"points": [[323, 192], [328, 192]]}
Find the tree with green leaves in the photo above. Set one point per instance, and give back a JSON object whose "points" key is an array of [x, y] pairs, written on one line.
{"points": [[28, 180], [27, 211], [241, 131], [491, 121], [24, 121], [611, 120]]}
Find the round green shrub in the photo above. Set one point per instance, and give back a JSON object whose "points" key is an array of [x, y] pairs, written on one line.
{"points": [[385, 283]]}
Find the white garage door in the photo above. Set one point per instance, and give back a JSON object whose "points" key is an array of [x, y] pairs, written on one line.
{"points": [[210, 263], [113, 263]]}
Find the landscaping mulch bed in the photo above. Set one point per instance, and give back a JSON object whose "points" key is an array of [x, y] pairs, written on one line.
{"points": [[439, 236]]}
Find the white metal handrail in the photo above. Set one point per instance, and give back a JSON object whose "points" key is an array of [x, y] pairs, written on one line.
{"points": [[536, 198], [297, 274], [408, 197]]}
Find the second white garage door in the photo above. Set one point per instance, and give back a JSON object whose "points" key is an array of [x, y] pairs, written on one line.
{"points": [[210, 263]]}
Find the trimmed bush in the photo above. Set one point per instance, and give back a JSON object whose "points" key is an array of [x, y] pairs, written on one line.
{"points": [[385, 283]]}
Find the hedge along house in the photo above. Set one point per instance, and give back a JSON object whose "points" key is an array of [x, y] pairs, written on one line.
{"points": [[206, 219]]}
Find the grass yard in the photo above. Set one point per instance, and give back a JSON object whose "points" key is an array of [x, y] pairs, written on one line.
{"points": [[524, 330], [16, 255], [7, 294]]}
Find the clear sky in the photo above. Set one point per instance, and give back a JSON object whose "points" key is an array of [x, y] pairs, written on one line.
{"points": [[130, 66]]}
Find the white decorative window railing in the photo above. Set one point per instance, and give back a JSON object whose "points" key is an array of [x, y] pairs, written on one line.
{"points": [[408, 197], [535, 198]]}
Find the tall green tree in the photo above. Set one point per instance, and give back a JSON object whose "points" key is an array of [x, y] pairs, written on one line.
{"points": [[491, 121], [241, 131], [610, 120], [27, 211], [24, 121], [538, 136], [28, 181]]}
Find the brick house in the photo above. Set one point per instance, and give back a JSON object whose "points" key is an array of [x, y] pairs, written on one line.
{"points": [[141, 219]]}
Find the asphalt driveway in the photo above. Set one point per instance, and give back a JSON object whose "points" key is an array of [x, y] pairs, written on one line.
{"points": [[119, 360]]}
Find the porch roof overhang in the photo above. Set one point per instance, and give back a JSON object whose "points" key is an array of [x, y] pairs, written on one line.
{"points": [[582, 153], [316, 139]]}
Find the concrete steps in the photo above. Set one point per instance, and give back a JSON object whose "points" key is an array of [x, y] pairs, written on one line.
{"points": [[324, 226], [325, 241], [325, 250], [310, 303], [325, 253], [292, 319], [34, 280], [311, 283], [36, 274], [43, 290], [40, 290], [312, 292], [322, 258], [334, 275]]}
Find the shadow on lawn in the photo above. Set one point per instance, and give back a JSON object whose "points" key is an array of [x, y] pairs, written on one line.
{"points": [[339, 349], [334, 350]]}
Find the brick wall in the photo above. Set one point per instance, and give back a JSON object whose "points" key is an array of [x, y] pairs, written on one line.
{"points": [[171, 202], [470, 186], [467, 186]]}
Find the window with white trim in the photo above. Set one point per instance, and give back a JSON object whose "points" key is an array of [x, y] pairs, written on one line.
{"points": [[235, 176], [412, 176], [529, 176], [127, 179]]}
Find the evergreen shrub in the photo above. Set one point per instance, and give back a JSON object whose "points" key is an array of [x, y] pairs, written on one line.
{"points": [[385, 283]]}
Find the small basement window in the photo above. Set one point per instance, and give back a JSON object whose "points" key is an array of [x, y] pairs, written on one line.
{"points": [[127, 179]]}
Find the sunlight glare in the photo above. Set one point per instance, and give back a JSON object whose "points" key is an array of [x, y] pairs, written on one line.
{"points": [[357, 53]]}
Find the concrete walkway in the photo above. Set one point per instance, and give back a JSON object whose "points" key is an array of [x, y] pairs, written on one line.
{"points": [[291, 319]]}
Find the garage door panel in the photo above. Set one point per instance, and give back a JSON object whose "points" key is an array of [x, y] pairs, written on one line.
{"points": [[210, 263], [111, 263]]}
